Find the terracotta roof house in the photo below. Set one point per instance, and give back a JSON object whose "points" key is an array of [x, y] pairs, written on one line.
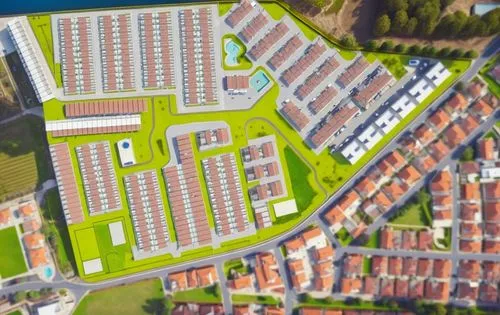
{"points": [[469, 269], [454, 135], [351, 285], [491, 191], [416, 289], [26, 210], [469, 124], [469, 168], [492, 230], [457, 103], [491, 246], [322, 254], [206, 276], [439, 150], [395, 266], [349, 201], [424, 240], [358, 230], [470, 191], [379, 265], [409, 175], [491, 271], [38, 257], [425, 162], [353, 264], [396, 159], [470, 230], [437, 291], [470, 212], [488, 292], [273, 310], [401, 288], [267, 273], [424, 134], [382, 201], [470, 246], [31, 226], [295, 244], [324, 283], [311, 311], [439, 120], [241, 282], [410, 146], [482, 109], [408, 240], [486, 149], [395, 190], [467, 291], [386, 238], [371, 285], [242, 310], [335, 216], [35, 240], [442, 268], [410, 266], [5, 216], [476, 89], [441, 183], [387, 287], [178, 281], [365, 187], [424, 267]]}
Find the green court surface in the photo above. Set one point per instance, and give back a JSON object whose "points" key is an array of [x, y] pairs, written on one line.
{"points": [[11, 254], [87, 244]]}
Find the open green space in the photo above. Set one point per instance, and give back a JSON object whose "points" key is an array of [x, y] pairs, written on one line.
{"points": [[243, 62], [23, 159], [493, 86], [367, 265], [145, 297], [394, 63], [254, 299], [41, 26], [416, 212], [87, 244], [56, 230], [112, 257], [16, 312], [11, 254], [224, 8], [299, 174], [209, 294], [343, 236], [236, 265], [373, 240]]}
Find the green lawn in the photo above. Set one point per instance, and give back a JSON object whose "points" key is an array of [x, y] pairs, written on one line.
{"points": [[202, 295], [16, 312], [367, 265], [243, 62], [416, 212], [23, 160], [374, 240], [343, 236], [394, 63], [55, 224], [299, 174], [493, 86], [87, 244], [237, 265], [11, 254], [41, 26], [276, 11], [144, 297], [224, 8], [254, 299]]}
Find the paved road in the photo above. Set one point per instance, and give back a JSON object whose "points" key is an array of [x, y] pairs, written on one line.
{"points": [[79, 288]]}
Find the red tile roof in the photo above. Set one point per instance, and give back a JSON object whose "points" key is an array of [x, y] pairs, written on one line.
{"points": [[469, 246], [437, 291], [469, 269], [409, 174], [471, 191], [454, 135], [441, 182], [442, 268], [439, 119], [395, 266], [379, 265], [456, 103], [486, 148]]}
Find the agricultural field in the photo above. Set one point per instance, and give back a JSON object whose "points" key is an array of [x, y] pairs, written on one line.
{"points": [[11, 254], [9, 103], [23, 159], [148, 298]]}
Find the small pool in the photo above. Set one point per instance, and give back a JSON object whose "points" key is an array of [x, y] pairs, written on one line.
{"points": [[48, 272], [259, 80], [233, 50]]}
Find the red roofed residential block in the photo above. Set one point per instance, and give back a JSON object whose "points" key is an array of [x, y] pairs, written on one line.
{"points": [[401, 288], [491, 246], [335, 216], [470, 230], [441, 183], [416, 289], [382, 201], [439, 149], [409, 175], [492, 230], [470, 246], [387, 287], [351, 285], [353, 264], [395, 190], [241, 282], [38, 257], [491, 271], [267, 273], [470, 211], [178, 281], [486, 149], [491, 191], [425, 240], [437, 291], [396, 159], [349, 200], [439, 119], [35, 240], [5, 216], [488, 292], [386, 238], [424, 267], [457, 103], [371, 285], [410, 266], [410, 146], [442, 268], [395, 266], [365, 187], [454, 135], [379, 265], [482, 109], [466, 291], [206, 276], [424, 134], [471, 191], [469, 124], [469, 269], [26, 210]]}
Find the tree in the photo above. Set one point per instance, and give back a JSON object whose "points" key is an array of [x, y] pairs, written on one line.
{"points": [[427, 16], [400, 48], [474, 27], [429, 50], [388, 45], [392, 304], [382, 25], [451, 24], [410, 26], [468, 154], [471, 54], [349, 41], [457, 53], [396, 5], [399, 22], [445, 3], [19, 296], [33, 295], [415, 49], [371, 45], [492, 20], [444, 52], [460, 86]]}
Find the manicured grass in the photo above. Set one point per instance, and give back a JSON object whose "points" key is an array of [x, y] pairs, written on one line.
{"points": [[41, 26], [237, 265], [224, 8], [58, 75], [493, 86], [11, 254], [144, 297], [343, 236], [55, 223], [394, 63], [16, 312], [23, 160], [113, 257], [367, 265], [335, 7], [277, 12], [374, 240], [87, 244], [202, 295], [299, 173], [416, 212], [243, 62], [254, 299]]}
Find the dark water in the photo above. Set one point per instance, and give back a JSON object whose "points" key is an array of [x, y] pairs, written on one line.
{"points": [[10, 7]]}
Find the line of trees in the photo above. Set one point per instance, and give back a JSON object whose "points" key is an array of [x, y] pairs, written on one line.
{"points": [[430, 51], [425, 18]]}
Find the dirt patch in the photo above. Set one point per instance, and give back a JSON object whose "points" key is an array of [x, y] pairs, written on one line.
{"points": [[461, 5]]}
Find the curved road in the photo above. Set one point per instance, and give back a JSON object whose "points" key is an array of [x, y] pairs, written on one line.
{"points": [[80, 288]]}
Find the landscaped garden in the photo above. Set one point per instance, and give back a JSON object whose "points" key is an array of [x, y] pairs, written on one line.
{"points": [[209, 294], [11, 254], [416, 212]]}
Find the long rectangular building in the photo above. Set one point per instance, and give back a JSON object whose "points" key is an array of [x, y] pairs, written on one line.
{"points": [[66, 183], [93, 125], [198, 60], [253, 27], [75, 44], [117, 60], [105, 108], [146, 210], [333, 123], [185, 197], [99, 178], [226, 194], [318, 76], [239, 13], [311, 54], [157, 50], [352, 72], [268, 41], [285, 52]]}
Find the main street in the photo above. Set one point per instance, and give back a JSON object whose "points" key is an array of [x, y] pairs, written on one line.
{"points": [[80, 288]]}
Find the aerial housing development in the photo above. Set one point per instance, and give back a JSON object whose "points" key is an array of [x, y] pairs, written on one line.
{"points": [[230, 158]]}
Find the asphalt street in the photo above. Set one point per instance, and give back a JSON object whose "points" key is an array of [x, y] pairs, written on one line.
{"points": [[79, 288]]}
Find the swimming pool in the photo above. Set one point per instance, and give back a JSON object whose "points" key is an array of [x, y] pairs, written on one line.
{"points": [[259, 80], [48, 272], [233, 50]]}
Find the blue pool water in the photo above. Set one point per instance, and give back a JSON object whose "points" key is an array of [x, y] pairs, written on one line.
{"points": [[48, 272], [259, 80], [232, 52]]}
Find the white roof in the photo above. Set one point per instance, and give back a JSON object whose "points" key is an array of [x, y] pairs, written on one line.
{"points": [[92, 266], [421, 90], [370, 136], [353, 152], [403, 106], [126, 152], [117, 234], [49, 309], [438, 73], [29, 59], [387, 121], [92, 122], [491, 172], [285, 207]]}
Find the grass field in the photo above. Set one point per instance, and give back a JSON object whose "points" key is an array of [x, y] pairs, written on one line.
{"points": [[374, 240], [202, 295], [299, 173], [144, 297], [16, 312], [335, 7], [343, 236], [23, 160], [224, 8], [11, 254], [493, 86], [416, 212], [87, 244], [237, 265], [41, 26], [367, 265], [254, 299], [55, 223]]}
